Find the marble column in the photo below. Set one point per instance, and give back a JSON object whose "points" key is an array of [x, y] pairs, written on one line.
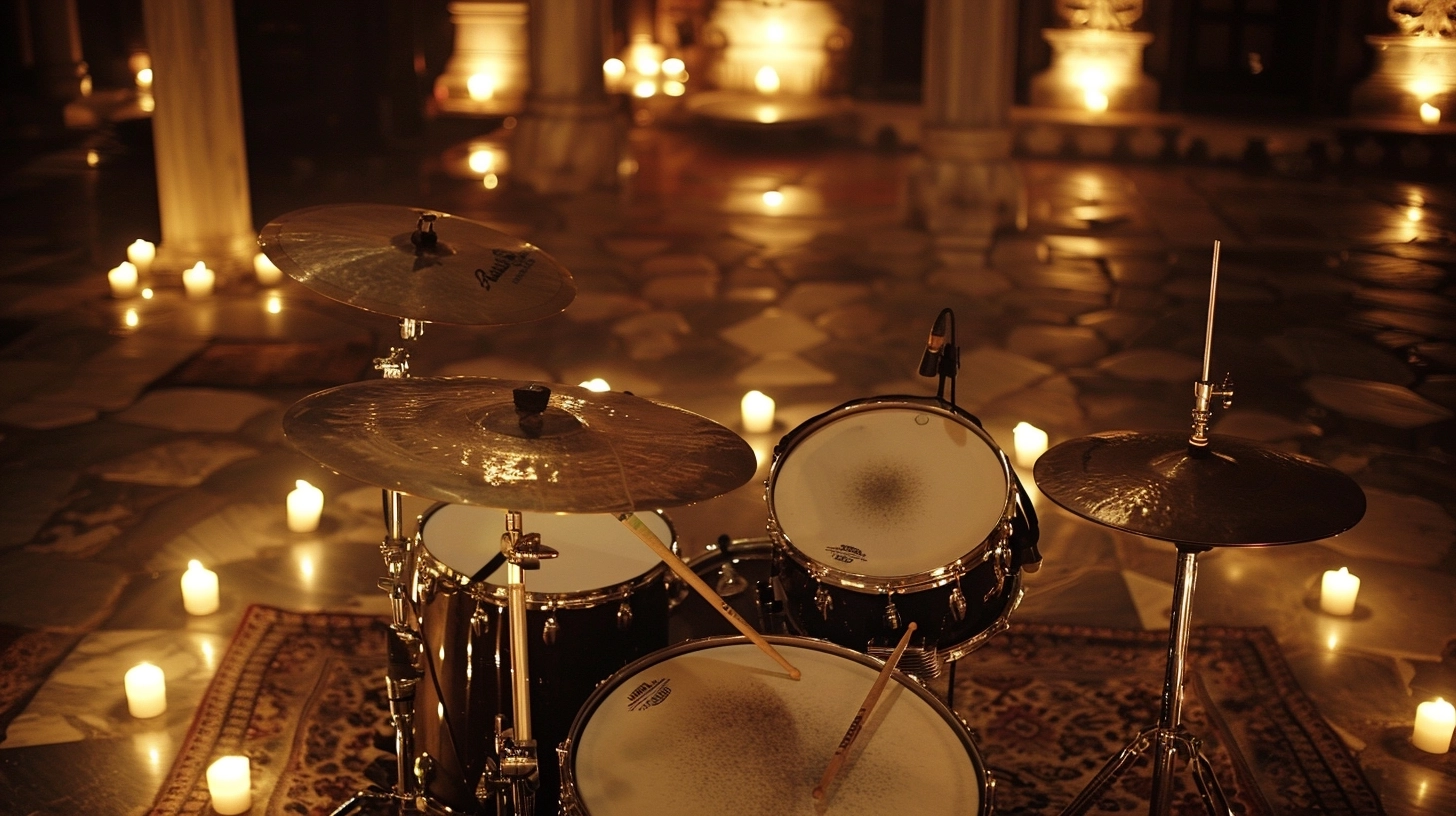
{"points": [[965, 186], [569, 138], [54, 43], [197, 129]]}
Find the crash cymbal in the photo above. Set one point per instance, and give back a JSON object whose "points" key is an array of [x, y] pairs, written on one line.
{"points": [[460, 439], [1239, 494], [371, 257]]}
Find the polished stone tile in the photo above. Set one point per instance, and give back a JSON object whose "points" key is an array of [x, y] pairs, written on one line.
{"points": [[206, 410]]}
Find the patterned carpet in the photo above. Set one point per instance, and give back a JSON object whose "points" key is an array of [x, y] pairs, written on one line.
{"points": [[302, 695]]}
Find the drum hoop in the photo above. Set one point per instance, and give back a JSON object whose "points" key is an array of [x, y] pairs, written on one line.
{"points": [[860, 582], [542, 601], [1001, 624], [567, 751]]}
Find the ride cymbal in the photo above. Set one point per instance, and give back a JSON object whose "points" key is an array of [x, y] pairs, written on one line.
{"points": [[381, 258], [461, 439], [1239, 494]]}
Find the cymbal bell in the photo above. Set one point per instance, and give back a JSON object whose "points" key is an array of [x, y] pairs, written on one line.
{"points": [[461, 439], [372, 257], [1239, 493]]}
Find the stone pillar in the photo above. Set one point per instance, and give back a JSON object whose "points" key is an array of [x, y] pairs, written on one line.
{"points": [[569, 139], [55, 45], [197, 128], [965, 186]]}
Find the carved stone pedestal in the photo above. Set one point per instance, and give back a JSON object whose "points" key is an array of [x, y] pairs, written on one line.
{"points": [[1089, 62], [487, 73], [1409, 72]]}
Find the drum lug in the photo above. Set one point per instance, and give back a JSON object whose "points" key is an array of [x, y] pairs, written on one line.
{"points": [[479, 620], [624, 615], [957, 604], [892, 613], [823, 601], [1000, 558], [549, 629]]}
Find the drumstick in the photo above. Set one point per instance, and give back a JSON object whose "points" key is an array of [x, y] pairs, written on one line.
{"points": [[686, 573], [863, 714]]}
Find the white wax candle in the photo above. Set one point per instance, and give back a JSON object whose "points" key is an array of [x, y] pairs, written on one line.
{"points": [[305, 505], [1435, 722], [1030, 443], [146, 691], [758, 412], [1430, 114], [268, 273], [230, 782], [123, 280], [142, 253], [1337, 592], [199, 589], [199, 280]]}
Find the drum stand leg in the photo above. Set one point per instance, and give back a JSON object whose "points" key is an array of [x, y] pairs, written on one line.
{"points": [[1169, 738]]}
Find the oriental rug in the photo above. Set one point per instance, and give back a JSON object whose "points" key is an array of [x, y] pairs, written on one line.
{"points": [[302, 695]]}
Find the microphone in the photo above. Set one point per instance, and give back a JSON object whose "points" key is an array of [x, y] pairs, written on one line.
{"points": [[930, 361]]}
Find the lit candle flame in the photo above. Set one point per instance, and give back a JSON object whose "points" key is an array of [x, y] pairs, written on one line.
{"points": [[766, 80], [480, 87], [1430, 114]]}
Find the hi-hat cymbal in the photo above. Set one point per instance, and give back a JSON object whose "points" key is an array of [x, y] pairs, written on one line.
{"points": [[1239, 494], [366, 255], [459, 439]]}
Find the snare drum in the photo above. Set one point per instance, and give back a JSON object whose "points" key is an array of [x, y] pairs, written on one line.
{"points": [[597, 607], [896, 509], [714, 727]]}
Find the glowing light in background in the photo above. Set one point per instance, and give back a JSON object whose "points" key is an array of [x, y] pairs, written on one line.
{"points": [[209, 655], [596, 384], [148, 294], [644, 88], [766, 80], [131, 319], [1414, 214], [766, 114], [674, 88], [480, 87], [144, 79], [774, 32], [306, 568], [491, 181], [674, 67], [773, 198], [614, 69], [274, 305], [1095, 101], [1430, 114], [92, 158], [482, 160]]}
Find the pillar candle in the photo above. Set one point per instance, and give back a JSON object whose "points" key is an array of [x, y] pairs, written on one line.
{"points": [[1435, 721], [305, 505], [268, 273], [199, 589], [1030, 443], [123, 280], [199, 280], [758, 412], [1430, 114], [1338, 591], [146, 691], [230, 783], [141, 253]]}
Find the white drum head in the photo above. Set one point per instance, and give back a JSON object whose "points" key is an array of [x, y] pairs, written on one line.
{"points": [[722, 730], [596, 550], [889, 490]]}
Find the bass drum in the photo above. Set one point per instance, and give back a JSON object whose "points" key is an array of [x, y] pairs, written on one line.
{"points": [[714, 727], [597, 607], [897, 509]]}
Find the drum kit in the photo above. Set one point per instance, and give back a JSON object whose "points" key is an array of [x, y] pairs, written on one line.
{"points": [[897, 535]]}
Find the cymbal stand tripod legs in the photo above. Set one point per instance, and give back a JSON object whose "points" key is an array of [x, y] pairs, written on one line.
{"points": [[1168, 739]]}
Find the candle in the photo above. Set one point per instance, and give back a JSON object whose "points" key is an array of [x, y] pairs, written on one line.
{"points": [[199, 589], [230, 782], [1030, 443], [758, 412], [198, 280], [141, 253], [305, 505], [1435, 721], [146, 691], [1430, 114], [1338, 591], [123, 279], [268, 273]]}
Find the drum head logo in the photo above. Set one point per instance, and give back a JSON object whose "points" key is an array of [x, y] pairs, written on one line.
{"points": [[648, 694], [845, 554]]}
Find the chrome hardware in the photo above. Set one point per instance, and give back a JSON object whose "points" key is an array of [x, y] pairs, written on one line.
{"points": [[479, 620], [1000, 558], [920, 662], [395, 366], [957, 604], [548, 630], [1204, 393], [823, 601], [624, 615], [730, 583], [892, 614]]}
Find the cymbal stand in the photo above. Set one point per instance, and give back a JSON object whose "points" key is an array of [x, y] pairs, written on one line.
{"points": [[1170, 738], [516, 772], [405, 664]]}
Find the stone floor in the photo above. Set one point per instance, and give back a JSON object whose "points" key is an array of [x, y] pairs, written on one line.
{"points": [[140, 434]]}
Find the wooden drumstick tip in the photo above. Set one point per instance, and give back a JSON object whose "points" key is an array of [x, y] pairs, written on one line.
{"points": [[837, 761]]}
